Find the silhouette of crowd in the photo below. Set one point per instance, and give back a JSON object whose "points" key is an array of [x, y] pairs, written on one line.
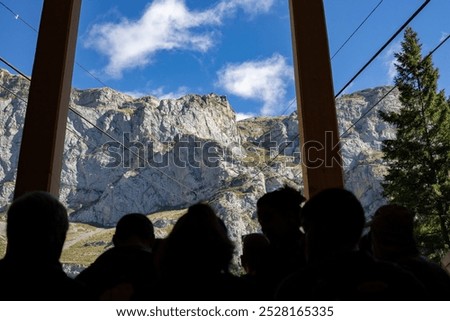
{"points": [[307, 250]]}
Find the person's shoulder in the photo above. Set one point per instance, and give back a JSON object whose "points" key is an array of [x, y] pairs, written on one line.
{"points": [[294, 286], [72, 290], [403, 284]]}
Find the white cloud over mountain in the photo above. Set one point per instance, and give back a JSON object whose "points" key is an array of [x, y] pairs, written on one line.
{"points": [[161, 93], [241, 116], [390, 61], [263, 80], [164, 25]]}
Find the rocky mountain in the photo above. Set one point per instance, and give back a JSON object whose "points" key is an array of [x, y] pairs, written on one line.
{"points": [[168, 154]]}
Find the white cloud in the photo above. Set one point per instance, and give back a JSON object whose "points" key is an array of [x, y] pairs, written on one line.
{"points": [[254, 6], [136, 93], [390, 60], [263, 80], [164, 25], [251, 7], [241, 116], [159, 93], [162, 94]]}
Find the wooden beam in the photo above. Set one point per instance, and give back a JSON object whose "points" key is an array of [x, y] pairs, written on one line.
{"points": [[319, 137], [40, 159]]}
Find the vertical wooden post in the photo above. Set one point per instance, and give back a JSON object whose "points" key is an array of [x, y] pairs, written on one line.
{"points": [[40, 159], [319, 137]]}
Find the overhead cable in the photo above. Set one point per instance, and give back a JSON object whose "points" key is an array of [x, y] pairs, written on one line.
{"points": [[356, 30], [441, 43], [17, 16], [392, 89], [384, 46], [103, 132]]}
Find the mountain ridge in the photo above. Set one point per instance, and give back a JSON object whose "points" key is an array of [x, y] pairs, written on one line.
{"points": [[197, 149]]}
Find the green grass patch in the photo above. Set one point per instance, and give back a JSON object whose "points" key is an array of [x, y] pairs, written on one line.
{"points": [[2, 246], [84, 242]]}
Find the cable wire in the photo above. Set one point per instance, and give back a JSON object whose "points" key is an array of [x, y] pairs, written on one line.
{"points": [[411, 18], [76, 112], [14, 68], [91, 74], [392, 89], [17, 16], [131, 151], [101, 82], [26, 102], [106, 134], [357, 74], [288, 144], [340, 48], [356, 30], [359, 119], [14, 94]]}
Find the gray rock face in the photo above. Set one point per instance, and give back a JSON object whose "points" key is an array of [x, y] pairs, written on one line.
{"points": [[169, 154]]}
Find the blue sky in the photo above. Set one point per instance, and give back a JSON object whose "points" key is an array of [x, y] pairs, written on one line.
{"points": [[238, 48]]}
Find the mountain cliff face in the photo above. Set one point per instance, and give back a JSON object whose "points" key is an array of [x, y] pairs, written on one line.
{"points": [[168, 154]]}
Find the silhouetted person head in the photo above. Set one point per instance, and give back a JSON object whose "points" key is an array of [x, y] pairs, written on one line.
{"points": [[279, 214], [392, 232], [333, 221], [36, 228], [134, 229], [198, 243], [255, 253], [126, 271]]}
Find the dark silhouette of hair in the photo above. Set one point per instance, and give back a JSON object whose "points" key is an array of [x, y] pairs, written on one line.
{"points": [[36, 220], [392, 232], [255, 253], [37, 224], [279, 213], [196, 257], [134, 228], [199, 242], [286, 200], [256, 259], [125, 271], [333, 220], [279, 216]]}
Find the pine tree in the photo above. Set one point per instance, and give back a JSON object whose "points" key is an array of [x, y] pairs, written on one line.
{"points": [[419, 158]]}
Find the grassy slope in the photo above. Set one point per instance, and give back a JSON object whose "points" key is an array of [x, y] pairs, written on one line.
{"points": [[84, 243]]}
